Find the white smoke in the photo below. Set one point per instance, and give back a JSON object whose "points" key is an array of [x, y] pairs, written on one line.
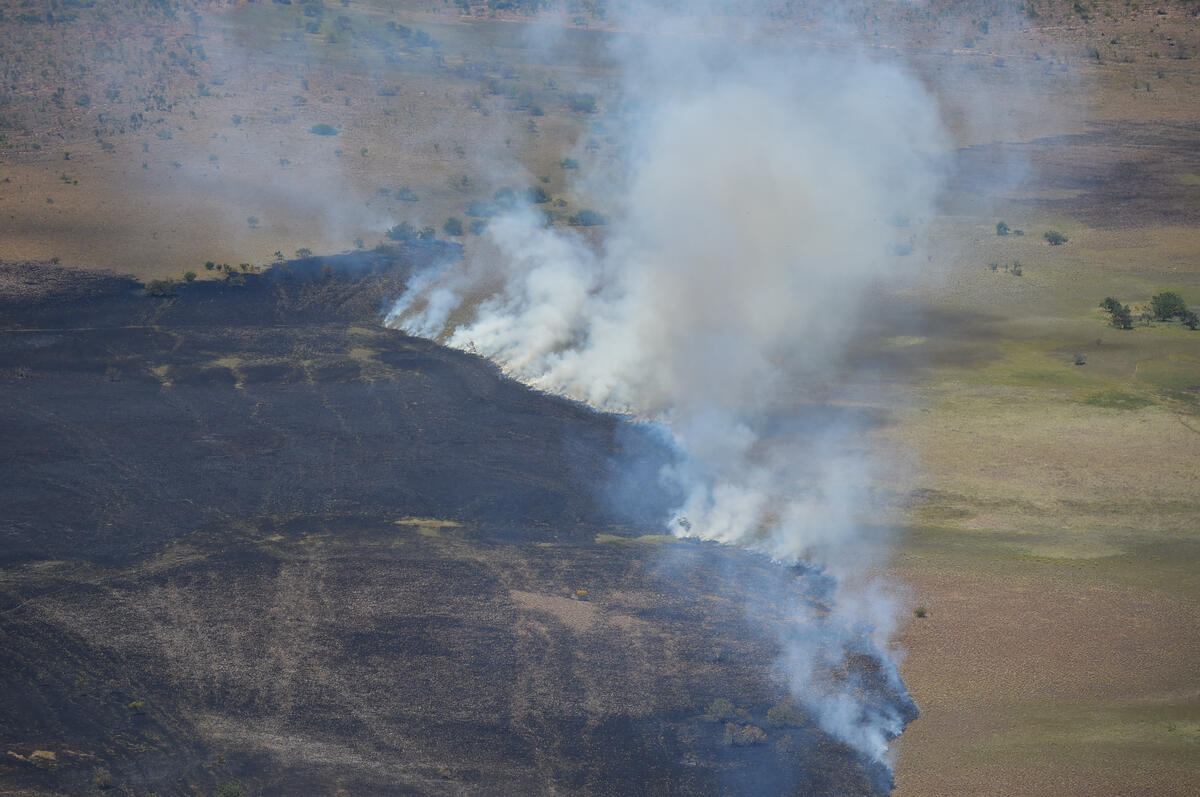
{"points": [[764, 197]]}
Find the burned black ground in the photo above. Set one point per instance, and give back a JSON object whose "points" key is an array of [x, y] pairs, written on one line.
{"points": [[250, 535]]}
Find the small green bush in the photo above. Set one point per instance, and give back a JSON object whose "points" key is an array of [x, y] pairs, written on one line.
{"points": [[164, 287], [401, 232], [588, 218], [230, 788], [1001, 228], [1054, 237], [721, 709]]}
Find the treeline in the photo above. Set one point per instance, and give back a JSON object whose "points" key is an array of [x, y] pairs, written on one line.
{"points": [[1165, 306]]}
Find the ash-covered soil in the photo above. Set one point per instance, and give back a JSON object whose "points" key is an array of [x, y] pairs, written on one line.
{"points": [[1119, 175], [252, 539]]}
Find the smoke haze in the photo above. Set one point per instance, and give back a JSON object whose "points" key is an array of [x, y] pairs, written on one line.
{"points": [[767, 190]]}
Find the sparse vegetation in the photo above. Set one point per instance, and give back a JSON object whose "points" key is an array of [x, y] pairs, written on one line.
{"points": [[402, 232], [743, 735], [230, 788], [160, 287], [581, 102], [588, 218], [785, 715], [720, 709], [102, 778]]}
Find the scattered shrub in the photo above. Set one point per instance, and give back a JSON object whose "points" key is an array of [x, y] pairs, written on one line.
{"points": [[189, 276], [743, 735], [784, 715], [588, 218], [505, 198], [163, 287], [920, 612], [1001, 228], [102, 778], [720, 709], [401, 232], [230, 788], [1054, 237], [581, 102], [323, 129]]}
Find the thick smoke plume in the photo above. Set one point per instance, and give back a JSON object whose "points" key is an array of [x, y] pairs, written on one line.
{"points": [[768, 189]]}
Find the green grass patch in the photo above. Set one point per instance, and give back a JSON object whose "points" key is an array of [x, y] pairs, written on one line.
{"points": [[1116, 400], [1175, 377]]}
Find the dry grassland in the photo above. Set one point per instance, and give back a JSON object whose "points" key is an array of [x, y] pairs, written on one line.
{"points": [[1056, 541]]}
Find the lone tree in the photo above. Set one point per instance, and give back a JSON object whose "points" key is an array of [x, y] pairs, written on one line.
{"points": [[1001, 228], [1055, 237], [1167, 305], [1121, 317]]}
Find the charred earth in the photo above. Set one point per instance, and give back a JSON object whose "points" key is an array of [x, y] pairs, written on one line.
{"points": [[255, 543]]}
